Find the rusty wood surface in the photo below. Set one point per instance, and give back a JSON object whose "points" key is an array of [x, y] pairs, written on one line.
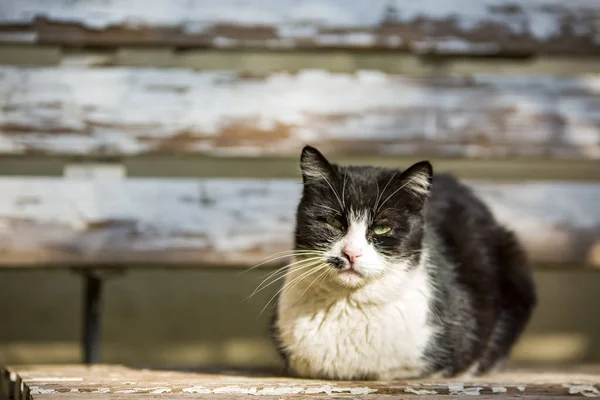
{"points": [[465, 27], [105, 381], [128, 111], [80, 222]]}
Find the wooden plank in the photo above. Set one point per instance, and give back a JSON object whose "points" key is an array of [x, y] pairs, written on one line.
{"points": [[287, 397], [269, 167], [48, 382], [264, 61], [125, 111], [50, 222], [496, 27]]}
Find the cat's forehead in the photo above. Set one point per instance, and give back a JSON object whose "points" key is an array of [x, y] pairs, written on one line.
{"points": [[368, 178], [364, 187], [366, 175]]}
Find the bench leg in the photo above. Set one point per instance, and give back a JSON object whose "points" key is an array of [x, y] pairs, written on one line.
{"points": [[92, 297]]}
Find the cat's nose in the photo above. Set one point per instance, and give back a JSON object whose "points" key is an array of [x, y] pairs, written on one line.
{"points": [[351, 253]]}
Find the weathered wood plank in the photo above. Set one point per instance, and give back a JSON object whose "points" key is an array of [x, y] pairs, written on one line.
{"points": [[266, 167], [42, 382], [291, 397], [264, 61], [52, 222], [428, 26], [133, 111]]}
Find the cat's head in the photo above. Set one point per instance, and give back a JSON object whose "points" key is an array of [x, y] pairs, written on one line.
{"points": [[360, 223]]}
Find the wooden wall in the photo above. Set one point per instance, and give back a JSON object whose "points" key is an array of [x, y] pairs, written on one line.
{"points": [[491, 28], [173, 94], [129, 111], [243, 81], [253, 89]]}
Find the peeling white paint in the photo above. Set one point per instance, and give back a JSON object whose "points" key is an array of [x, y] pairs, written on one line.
{"points": [[153, 390], [234, 390], [499, 389], [420, 392], [455, 387], [455, 45], [40, 390], [521, 388], [328, 389], [196, 389], [320, 389], [363, 39], [585, 390], [459, 389], [472, 391], [196, 16], [234, 216], [278, 390], [102, 390], [127, 391], [82, 110], [161, 390], [354, 390], [283, 390]]}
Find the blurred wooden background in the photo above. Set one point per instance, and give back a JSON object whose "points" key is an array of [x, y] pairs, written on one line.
{"points": [[115, 118]]}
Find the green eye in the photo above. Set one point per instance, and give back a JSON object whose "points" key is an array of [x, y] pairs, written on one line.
{"points": [[381, 230], [334, 222]]}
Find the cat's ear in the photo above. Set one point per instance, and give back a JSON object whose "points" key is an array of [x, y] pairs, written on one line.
{"points": [[417, 179], [314, 165]]}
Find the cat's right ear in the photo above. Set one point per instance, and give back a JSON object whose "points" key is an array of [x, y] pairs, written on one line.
{"points": [[314, 165]]}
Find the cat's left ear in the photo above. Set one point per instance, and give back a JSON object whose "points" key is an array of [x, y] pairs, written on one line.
{"points": [[314, 165], [417, 179]]}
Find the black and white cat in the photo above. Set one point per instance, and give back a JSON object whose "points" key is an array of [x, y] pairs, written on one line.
{"points": [[397, 275]]}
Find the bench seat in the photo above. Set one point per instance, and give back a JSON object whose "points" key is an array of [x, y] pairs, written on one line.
{"points": [[118, 382]]}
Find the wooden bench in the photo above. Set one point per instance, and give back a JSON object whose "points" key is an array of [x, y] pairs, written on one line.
{"points": [[194, 164], [117, 382]]}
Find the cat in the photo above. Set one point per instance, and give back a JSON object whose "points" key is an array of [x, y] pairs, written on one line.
{"points": [[396, 275]]}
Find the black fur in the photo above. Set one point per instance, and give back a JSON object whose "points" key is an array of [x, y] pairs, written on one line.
{"points": [[484, 288], [486, 291]]}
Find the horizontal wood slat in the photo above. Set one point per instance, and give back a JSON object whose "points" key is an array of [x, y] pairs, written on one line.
{"points": [[50, 222], [266, 167], [117, 382], [125, 111], [472, 27]]}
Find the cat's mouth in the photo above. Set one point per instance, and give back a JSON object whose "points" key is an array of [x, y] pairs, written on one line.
{"points": [[343, 268], [351, 272]]}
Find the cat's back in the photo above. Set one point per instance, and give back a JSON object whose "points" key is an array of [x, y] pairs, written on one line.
{"points": [[468, 230], [490, 270], [463, 221], [452, 201]]}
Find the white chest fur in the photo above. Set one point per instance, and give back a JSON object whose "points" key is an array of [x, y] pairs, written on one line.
{"points": [[380, 331]]}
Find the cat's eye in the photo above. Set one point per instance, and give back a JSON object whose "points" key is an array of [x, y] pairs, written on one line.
{"points": [[381, 230], [334, 222]]}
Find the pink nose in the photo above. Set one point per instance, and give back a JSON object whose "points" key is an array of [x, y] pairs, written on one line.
{"points": [[351, 254]]}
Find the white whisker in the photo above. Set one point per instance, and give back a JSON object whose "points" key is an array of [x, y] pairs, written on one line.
{"points": [[313, 282], [334, 192], [293, 283], [344, 190], [280, 255], [284, 270], [384, 188]]}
